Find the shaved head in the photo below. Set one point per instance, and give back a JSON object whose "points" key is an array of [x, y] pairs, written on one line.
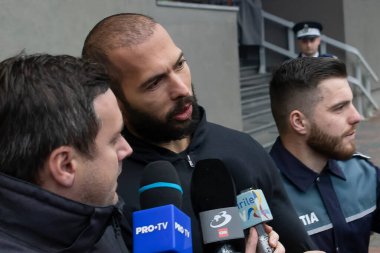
{"points": [[120, 30], [116, 31]]}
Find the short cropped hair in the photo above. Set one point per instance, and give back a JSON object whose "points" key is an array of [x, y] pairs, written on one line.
{"points": [[294, 85], [46, 102]]}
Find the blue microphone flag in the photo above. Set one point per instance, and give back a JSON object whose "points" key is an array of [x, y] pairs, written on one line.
{"points": [[161, 229]]}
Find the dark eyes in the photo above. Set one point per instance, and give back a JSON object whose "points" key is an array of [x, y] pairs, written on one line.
{"points": [[154, 83], [340, 107], [181, 64], [116, 139], [307, 40]]}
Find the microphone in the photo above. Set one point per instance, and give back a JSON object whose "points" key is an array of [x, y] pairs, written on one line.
{"points": [[253, 211], [161, 226], [213, 198]]}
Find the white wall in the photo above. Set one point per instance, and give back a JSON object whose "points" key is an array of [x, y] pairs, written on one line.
{"points": [[362, 22]]}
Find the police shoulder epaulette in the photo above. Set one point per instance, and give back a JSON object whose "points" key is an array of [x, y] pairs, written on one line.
{"points": [[328, 56], [360, 155]]}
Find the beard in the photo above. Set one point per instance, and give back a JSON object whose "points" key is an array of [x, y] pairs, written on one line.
{"points": [[147, 126], [328, 145]]}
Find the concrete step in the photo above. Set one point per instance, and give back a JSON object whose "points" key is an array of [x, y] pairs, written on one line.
{"points": [[255, 79], [255, 101], [253, 114], [256, 112], [254, 91], [248, 70], [266, 138]]}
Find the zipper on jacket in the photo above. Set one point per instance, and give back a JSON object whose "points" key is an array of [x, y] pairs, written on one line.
{"points": [[116, 225], [189, 161]]}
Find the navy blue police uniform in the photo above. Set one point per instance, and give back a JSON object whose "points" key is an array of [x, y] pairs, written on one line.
{"points": [[338, 207]]}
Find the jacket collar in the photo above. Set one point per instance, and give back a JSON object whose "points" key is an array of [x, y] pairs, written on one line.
{"points": [[48, 221], [298, 173]]}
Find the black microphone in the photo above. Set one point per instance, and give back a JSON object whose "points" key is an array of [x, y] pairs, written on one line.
{"points": [[213, 196], [161, 226], [160, 186]]}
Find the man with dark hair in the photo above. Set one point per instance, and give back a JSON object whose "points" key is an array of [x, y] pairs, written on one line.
{"points": [[60, 155], [152, 82], [334, 189]]}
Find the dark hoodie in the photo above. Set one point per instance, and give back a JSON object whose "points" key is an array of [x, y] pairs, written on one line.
{"points": [[35, 220], [247, 161]]}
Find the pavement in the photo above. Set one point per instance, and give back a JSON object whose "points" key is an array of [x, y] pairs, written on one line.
{"points": [[368, 143]]}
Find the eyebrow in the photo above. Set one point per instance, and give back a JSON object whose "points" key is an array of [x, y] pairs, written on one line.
{"points": [[178, 60], [121, 126], [342, 103], [116, 134], [144, 84]]}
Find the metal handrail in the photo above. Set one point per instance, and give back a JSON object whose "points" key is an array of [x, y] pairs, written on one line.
{"points": [[200, 6], [355, 81], [324, 38], [290, 52], [352, 50]]}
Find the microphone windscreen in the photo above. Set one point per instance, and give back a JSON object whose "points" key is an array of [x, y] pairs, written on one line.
{"points": [[212, 186], [160, 185]]}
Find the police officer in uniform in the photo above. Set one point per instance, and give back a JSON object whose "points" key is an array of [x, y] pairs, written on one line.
{"points": [[335, 189], [308, 34]]}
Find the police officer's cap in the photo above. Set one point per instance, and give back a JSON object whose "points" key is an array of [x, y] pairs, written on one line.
{"points": [[307, 30]]}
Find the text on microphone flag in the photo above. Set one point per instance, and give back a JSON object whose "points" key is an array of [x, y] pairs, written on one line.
{"points": [[253, 208]]}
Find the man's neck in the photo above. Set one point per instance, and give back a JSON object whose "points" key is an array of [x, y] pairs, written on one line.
{"points": [[176, 146], [316, 54], [313, 160]]}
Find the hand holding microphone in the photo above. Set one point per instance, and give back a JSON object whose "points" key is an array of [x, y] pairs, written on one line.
{"points": [[253, 211], [252, 241], [214, 200]]}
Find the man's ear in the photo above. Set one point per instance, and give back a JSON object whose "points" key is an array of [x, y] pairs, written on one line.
{"points": [[298, 122], [62, 165]]}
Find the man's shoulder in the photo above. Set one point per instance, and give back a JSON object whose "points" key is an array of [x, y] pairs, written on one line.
{"points": [[361, 158], [328, 56], [234, 136], [359, 155], [218, 129], [11, 244], [358, 160]]}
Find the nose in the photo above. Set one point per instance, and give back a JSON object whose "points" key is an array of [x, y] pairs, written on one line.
{"points": [[125, 149], [356, 117], [178, 87]]}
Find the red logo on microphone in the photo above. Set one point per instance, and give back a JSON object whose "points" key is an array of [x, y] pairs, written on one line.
{"points": [[223, 232]]}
